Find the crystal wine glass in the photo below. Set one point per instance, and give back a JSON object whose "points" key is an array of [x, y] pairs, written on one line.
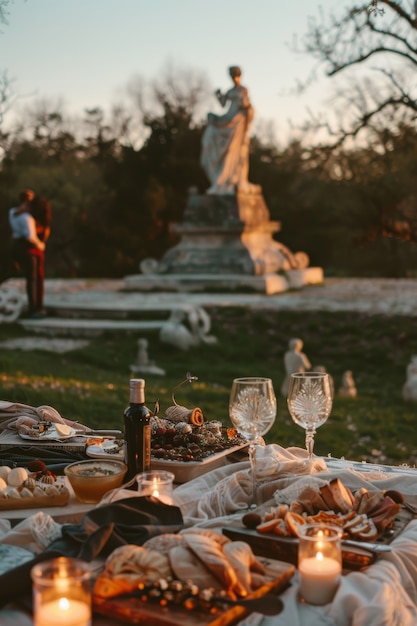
{"points": [[252, 410], [310, 400]]}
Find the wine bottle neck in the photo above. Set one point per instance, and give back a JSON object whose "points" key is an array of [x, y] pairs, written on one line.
{"points": [[137, 391], [137, 397]]}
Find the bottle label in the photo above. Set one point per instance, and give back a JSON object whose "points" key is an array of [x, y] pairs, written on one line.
{"points": [[147, 447]]}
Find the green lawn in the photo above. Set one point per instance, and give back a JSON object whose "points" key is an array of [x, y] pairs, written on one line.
{"points": [[92, 384]]}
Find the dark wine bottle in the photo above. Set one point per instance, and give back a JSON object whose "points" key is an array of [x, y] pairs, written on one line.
{"points": [[137, 431]]}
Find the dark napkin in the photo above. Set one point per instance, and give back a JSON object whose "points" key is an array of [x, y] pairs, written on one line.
{"points": [[104, 528], [55, 460], [131, 520]]}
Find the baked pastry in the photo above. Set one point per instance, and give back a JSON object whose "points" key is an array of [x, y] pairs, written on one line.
{"points": [[210, 552], [187, 566], [207, 532], [164, 543], [243, 561], [126, 566]]}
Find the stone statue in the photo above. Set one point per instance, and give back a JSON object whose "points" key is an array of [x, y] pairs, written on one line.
{"points": [[187, 328], [143, 364], [225, 142], [294, 361], [348, 388], [410, 387], [11, 304]]}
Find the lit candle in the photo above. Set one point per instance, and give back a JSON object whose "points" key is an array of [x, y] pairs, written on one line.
{"points": [[155, 491], [319, 562], [156, 483], [319, 579], [63, 612], [61, 592]]}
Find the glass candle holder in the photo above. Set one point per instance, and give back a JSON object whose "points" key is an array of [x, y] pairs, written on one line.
{"points": [[61, 593], [156, 483], [319, 562]]}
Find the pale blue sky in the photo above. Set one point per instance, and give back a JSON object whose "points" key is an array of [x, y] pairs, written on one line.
{"points": [[87, 51]]}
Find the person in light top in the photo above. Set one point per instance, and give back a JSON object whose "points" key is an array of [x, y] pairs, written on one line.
{"points": [[28, 252]]}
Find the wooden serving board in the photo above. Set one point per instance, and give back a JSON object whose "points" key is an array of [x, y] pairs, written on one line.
{"points": [[134, 611], [40, 502], [286, 548]]}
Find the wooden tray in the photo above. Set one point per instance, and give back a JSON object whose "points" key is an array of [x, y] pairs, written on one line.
{"points": [[184, 472], [134, 611], [286, 548], [8, 504]]}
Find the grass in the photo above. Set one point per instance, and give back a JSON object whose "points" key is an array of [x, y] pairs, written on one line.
{"points": [[92, 384]]}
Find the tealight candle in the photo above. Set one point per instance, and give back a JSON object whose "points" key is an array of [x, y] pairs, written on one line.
{"points": [[156, 483], [319, 562], [63, 612], [61, 593]]}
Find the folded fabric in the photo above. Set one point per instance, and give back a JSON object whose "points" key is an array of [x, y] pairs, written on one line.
{"points": [[55, 460], [133, 520], [101, 531], [383, 595], [11, 411], [228, 489], [35, 533]]}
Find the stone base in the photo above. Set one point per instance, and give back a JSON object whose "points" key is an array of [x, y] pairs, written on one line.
{"points": [[268, 283], [307, 276]]}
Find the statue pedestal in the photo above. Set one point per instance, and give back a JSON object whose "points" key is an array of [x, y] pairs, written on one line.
{"points": [[226, 243], [221, 234], [268, 283]]}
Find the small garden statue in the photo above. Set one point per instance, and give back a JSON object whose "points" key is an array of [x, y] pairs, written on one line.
{"points": [[294, 361], [410, 387], [143, 364], [348, 388]]}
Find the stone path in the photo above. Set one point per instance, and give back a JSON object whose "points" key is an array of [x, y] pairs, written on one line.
{"points": [[372, 296], [375, 296]]}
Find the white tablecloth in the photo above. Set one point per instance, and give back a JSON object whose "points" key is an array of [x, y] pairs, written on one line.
{"points": [[385, 594]]}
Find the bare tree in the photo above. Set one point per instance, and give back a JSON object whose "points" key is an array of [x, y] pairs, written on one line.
{"points": [[379, 41], [4, 10], [181, 88]]}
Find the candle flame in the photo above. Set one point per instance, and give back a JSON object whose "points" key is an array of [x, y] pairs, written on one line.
{"points": [[63, 604], [155, 493], [319, 556]]}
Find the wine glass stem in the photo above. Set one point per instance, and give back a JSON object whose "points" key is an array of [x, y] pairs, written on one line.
{"points": [[252, 458], [310, 445]]}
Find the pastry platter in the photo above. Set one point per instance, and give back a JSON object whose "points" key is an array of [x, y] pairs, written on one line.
{"points": [[135, 611]]}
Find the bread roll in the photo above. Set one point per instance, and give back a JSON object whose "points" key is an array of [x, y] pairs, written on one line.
{"points": [[126, 566], [211, 554], [187, 566]]}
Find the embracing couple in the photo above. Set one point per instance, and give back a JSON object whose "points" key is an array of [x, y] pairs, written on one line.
{"points": [[30, 225]]}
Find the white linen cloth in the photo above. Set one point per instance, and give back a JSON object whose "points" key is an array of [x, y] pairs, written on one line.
{"points": [[385, 594], [35, 533], [11, 411]]}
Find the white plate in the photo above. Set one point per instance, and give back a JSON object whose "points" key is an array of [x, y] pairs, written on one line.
{"points": [[103, 451], [50, 435]]}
